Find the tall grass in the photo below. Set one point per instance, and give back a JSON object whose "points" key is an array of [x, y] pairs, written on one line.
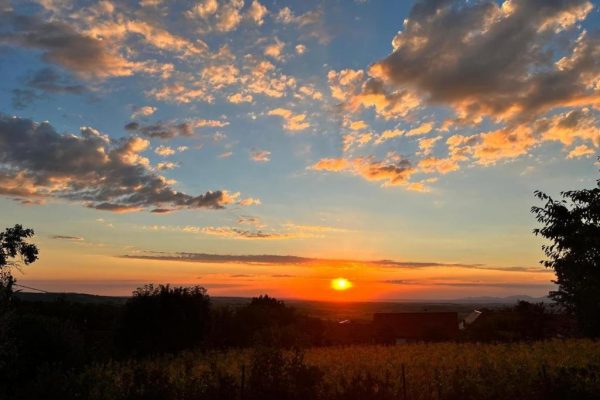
{"points": [[557, 369]]}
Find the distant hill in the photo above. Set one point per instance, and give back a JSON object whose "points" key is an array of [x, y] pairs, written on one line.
{"points": [[74, 297], [502, 300], [323, 309]]}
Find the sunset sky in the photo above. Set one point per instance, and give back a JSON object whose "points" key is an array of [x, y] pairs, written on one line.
{"points": [[272, 146]]}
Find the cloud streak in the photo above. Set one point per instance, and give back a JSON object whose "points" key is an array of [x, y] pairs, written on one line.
{"points": [[270, 259], [69, 238]]}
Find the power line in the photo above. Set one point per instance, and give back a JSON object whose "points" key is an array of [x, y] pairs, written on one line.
{"points": [[31, 288]]}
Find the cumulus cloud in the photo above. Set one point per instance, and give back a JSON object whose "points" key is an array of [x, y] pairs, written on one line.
{"points": [[162, 130], [275, 50], [169, 130], [260, 155], [355, 91], [150, 3], [422, 129], [118, 27], [287, 16], [438, 165], [257, 12], [164, 151], [389, 134], [426, 145], [509, 64], [250, 201], [356, 139], [226, 16], [387, 103], [291, 121], [308, 91], [180, 93], [37, 162], [229, 15], [262, 77], [205, 8], [143, 111], [510, 142], [393, 171], [220, 76], [166, 165], [344, 83], [63, 45], [581, 151], [488, 59], [153, 35], [43, 82], [238, 98], [356, 125]]}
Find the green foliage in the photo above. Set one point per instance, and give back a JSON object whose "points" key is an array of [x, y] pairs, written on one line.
{"points": [[572, 225]]}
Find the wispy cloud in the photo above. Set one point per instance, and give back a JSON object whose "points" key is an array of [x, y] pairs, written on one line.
{"points": [[66, 237], [468, 284], [260, 155], [270, 259]]}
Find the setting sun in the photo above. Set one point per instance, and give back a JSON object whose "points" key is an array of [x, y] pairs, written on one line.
{"points": [[341, 284]]}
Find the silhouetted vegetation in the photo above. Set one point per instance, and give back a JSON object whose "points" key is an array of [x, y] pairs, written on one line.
{"points": [[162, 319], [15, 251], [452, 371], [169, 342], [149, 348], [572, 225], [523, 322]]}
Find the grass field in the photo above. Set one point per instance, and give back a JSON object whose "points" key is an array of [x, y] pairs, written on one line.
{"points": [[558, 369]]}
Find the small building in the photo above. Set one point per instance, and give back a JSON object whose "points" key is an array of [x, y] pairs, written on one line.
{"points": [[396, 328], [469, 319]]}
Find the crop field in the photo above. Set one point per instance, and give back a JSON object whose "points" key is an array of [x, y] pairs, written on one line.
{"points": [[558, 369]]}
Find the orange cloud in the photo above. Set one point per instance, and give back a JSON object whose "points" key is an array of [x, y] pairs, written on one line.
{"points": [[291, 121], [393, 172], [89, 168]]}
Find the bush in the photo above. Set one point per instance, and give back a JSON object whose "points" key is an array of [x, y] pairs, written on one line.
{"points": [[162, 319]]}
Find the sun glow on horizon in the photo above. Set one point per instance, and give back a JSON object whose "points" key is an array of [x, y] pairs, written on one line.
{"points": [[341, 284]]}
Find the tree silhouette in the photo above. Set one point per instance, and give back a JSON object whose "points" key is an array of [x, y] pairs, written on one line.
{"points": [[14, 252], [163, 319], [572, 225]]}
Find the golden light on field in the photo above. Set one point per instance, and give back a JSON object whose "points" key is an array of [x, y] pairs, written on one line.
{"points": [[341, 284]]}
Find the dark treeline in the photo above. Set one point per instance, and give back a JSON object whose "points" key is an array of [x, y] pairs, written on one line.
{"points": [[50, 341], [160, 319], [65, 336]]}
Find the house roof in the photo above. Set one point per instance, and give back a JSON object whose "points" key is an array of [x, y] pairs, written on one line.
{"points": [[417, 325]]}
